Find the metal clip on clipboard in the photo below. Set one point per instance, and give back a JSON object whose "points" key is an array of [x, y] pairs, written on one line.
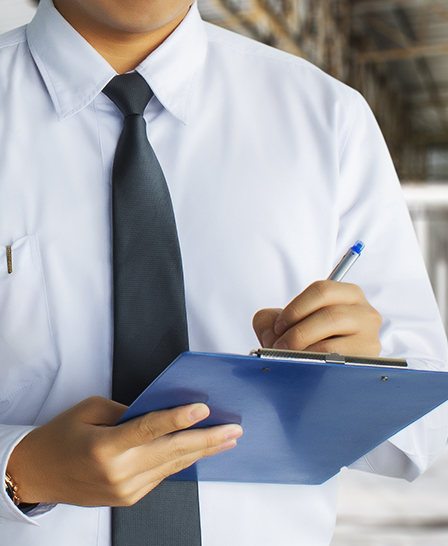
{"points": [[329, 358]]}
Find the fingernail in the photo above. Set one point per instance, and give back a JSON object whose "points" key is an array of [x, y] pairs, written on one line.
{"points": [[280, 327], [233, 432], [227, 445], [199, 412]]}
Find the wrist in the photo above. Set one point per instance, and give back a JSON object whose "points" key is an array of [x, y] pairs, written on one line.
{"points": [[12, 489]]}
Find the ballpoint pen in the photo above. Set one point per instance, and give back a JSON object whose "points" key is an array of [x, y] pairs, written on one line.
{"points": [[346, 262]]}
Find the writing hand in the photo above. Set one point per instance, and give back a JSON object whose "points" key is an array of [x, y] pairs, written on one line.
{"points": [[81, 458], [328, 317]]}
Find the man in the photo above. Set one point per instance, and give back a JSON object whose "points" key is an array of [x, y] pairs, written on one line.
{"points": [[274, 170]]}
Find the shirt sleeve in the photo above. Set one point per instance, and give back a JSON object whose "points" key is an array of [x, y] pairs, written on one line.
{"points": [[393, 277], [10, 436]]}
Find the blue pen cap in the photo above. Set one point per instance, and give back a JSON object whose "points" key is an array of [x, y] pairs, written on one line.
{"points": [[358, 247]]}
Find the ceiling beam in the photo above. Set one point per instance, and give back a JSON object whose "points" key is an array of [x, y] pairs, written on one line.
{"points": [[399, 54], [256, 17], [436, 139], [361, 7], [428, 105], [439, 9], [387, 30], [279, 24]]}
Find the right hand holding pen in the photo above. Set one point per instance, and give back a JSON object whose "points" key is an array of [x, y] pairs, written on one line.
{"points": [[81, 458], [327, 317]]}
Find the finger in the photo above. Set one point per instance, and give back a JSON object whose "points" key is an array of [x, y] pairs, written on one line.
{"points": [[139, 485], [133, 491], [337, 320], [347, 345], [318, 295], [168, 450], [151, 426], [263, 324]]}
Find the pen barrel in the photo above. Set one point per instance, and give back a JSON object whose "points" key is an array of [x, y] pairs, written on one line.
{"points": [[344, 265]]}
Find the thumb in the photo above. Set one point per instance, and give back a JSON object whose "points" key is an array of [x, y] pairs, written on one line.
{"points": [[263, 325]]}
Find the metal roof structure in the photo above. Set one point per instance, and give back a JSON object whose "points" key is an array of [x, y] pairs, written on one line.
{"points": [[394, 51], [410, 39]]}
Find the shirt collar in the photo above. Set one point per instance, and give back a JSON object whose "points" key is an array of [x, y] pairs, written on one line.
{"points": [[74, 73], [172, 69]]}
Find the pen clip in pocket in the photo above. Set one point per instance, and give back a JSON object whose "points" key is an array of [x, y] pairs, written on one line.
{"points": [[9, 259]]}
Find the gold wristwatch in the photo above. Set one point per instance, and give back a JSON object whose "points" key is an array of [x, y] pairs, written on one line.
{"points": [[12, 491]]}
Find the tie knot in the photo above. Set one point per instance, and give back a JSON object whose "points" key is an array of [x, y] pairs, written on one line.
{"points": [[129, 92]]}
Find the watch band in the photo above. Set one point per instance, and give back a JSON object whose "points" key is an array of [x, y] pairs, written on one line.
{"points": [[12, 491]]}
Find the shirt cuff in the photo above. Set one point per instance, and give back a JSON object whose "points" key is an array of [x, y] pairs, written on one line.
{"points": [[10, 436], [412, 450]]}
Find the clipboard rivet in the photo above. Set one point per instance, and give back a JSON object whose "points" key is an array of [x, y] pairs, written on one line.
{"points": [[265, 370], [384, 378]]}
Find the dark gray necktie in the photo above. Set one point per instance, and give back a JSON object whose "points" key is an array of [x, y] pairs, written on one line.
{"points": [[150, 326]]}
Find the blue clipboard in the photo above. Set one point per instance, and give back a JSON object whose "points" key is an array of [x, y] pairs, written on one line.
{"points": [[303, 418]]}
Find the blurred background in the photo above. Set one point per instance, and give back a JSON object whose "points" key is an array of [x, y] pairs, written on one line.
{"points": [[395, 52]]}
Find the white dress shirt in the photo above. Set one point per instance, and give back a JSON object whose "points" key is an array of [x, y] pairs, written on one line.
{"points": [[274, 168]]}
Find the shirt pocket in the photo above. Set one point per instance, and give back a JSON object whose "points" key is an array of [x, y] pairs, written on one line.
{"points": [[28, 359]]}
